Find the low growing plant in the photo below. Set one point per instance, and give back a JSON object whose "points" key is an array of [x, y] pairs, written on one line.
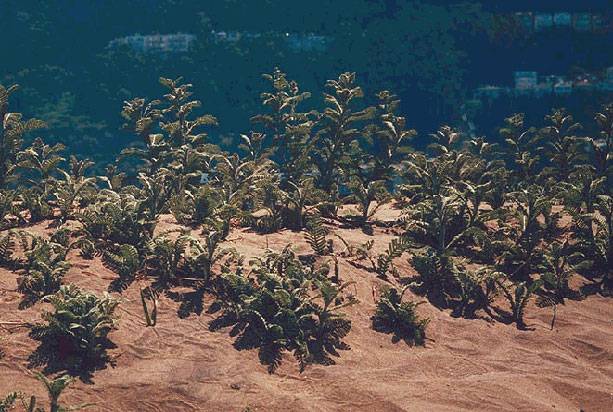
{"points": [[400, 318], [76, 331]]}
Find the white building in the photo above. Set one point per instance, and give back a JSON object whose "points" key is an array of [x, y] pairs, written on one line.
{"points": [[156, 43], [525, 81]]}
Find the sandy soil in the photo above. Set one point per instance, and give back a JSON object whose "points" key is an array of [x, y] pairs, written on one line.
{"points": [[476, 364]]}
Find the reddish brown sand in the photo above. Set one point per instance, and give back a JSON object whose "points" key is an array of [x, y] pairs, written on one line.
{"points": [[476, 364]]}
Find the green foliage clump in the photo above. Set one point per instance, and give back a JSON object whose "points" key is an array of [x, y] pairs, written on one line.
{"points": [[383, 263], [288, 307], [518, 295], [76, 332], [44, 267], [316, 236], [400, 318], [125, 261], [55, 388]]}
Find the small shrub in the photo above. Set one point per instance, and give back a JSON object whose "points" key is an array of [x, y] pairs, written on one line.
{"points": [[44, 266], [288, 306], [316, 236], [399, 318], [54, 388], [518, 295], [76, 331]]}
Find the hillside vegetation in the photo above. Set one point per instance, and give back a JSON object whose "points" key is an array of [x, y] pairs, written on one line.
{"points": [[326, 265]]}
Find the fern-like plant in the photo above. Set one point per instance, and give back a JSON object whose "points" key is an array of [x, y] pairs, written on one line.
{"points": [[518, 295], [383, 263], [44, 267], [276, 313], [76, 331], [54, 387], [557, 268], [204, 254], [13, 127], [124, 260], [8, 401], [400, 318], [316, 236], [365, 194], [7, 248], [328, 325], [149, 294]]}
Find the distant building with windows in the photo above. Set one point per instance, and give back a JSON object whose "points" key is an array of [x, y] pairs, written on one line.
{"points": [[532, 84], [491, 92], [307, 42], [579, 21], [156, 43], [294, 41], [525, 81]]}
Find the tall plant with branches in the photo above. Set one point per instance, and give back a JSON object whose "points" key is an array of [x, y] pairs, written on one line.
{"points": [[290, 130], [340, 132], [12, 131]]}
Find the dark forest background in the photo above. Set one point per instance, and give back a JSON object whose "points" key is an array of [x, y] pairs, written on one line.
{"points": [[431, 53]]}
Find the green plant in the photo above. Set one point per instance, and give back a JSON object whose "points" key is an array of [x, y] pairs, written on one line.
{"points": [[437, 276], [44, 267], [12, 131], [562, 146], [74, 188], [476, 290], [149, 294], [237, 177], [316, 236], [445, 138], [87, 247], [400, 318], [274, 311], [597, 242], [41, 164], [54, 388], [383, 262], [328, 326], [154, 195], [166, 257], [302, 198], [389, 137], [339, 133], [9, 400], [8, 210], [76, 330], [36, 204], [206, 253], [518, 295], [557, 268], [290, 130], [268, 201], [117, 219], [7, 248], [439, 222], [204, 205], [365, 194], [165, 125], [602, 145], [424, 177], [524, 232], [522, 146], [125, 261]]}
